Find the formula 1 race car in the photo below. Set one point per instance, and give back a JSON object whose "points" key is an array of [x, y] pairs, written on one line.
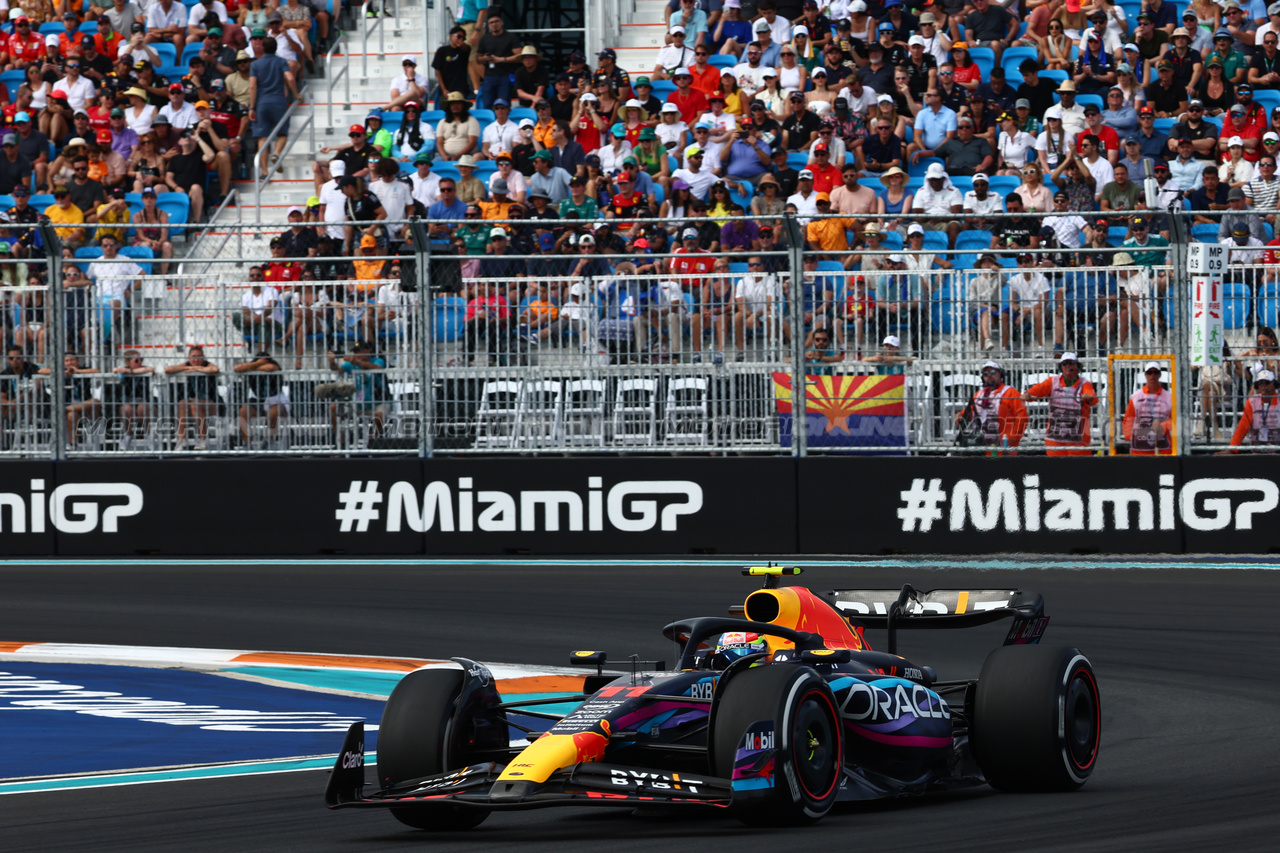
{"points": [[774, 716]]}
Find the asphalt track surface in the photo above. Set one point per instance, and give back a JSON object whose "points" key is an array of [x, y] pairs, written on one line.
{"points": [[1186, 662]]}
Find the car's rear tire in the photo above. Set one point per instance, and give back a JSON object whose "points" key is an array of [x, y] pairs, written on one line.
{"points": [[808, 743], [1037, 719], [416, 738]]}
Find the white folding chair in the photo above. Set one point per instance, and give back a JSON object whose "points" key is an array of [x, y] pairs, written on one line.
{"points": [[583, 420], [635, 412], [686, 417], [497, 419]]}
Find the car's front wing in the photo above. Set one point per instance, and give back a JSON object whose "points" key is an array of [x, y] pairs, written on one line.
{"points": [[478, 786]]}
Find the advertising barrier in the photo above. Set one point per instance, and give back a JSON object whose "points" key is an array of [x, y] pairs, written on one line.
{"points": [[631, 507]]}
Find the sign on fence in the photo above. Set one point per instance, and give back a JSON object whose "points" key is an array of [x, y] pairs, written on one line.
{"points": [[1206, 262], [845, 411]]}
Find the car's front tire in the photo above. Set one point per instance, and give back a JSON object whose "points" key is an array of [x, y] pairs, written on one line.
{"points": [[1037, 719], [807, 740], [416, 738]]}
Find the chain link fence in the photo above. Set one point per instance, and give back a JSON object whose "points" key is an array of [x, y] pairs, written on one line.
{"points": [[558, 341]]}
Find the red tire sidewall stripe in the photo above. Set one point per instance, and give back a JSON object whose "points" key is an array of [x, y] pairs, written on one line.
{"points": [[1097, 716], [839, 745]]}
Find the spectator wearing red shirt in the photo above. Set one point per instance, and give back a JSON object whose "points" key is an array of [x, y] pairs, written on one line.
{"points": [[690, 263], [589, 124], [280, 271], [706, 77], [25, 45], [1107, 137], [692, 102], [1238, 124], [69, 38], [826, 177], [1272, 256], [627, 201]]}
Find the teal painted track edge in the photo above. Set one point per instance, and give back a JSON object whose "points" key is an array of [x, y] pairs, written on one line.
{"points": [[178, 774]]}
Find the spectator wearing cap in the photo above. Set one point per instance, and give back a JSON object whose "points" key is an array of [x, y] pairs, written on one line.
{"points": [[114, 210], [1186, 171], [1240, 24], [1070, 400], [1108, 139], [1188, 65], [410, 85], [64, 212], [549, 179], [882, 150], [801, 128], [1148, 417], [1068, 227], [1235, 65], [965, 154], [922, 67], [1118, 114], [677, 53], [607, 70], [1259, 422], [939, 199], [1203, 134], [1094, 71], [531, 79], [501, 135], [1151, 142], [980, 203], [451, 65], [394, 196], [354, 154], [424, 184], [1165, 95], [747, 158], [805, 198], [1014, 145], [470, 188], [1240, 142], [363, 211], [692, 102], [1238, 213], [498, 51], [14, 168]]}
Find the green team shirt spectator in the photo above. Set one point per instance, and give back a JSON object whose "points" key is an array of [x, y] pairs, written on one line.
{"points": [[382, 141], [587, 210], [475, 239], [1148, 254], [1232, 61]]}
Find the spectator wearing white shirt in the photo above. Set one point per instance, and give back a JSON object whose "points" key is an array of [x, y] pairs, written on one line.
{"points": [[1068, 228], [502, 134], [395, 196], [259, 308], [289, 45], [1028, 296], [779, 27], [115, 279], [136, 47], [804, 198], [180, 114], [167, 22], [414, 136], [425, 184], [674, 55], [757, 306], [612, 155], [409, 86], [333, 202], [980, 203], [939, 198], [196, 29], [693, 174], [79, 89]]}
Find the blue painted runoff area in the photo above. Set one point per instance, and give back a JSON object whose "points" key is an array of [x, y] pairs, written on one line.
{"points": [[64, 719]]}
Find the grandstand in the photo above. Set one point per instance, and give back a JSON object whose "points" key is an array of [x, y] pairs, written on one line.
{"points": [[663, 355]]}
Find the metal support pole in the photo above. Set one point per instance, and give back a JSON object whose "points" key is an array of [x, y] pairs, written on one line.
{"points": [[799, 388], [58, 343], [426, 304], [1180, 285]]}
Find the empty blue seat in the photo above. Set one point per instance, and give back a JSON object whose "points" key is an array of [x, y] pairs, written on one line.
{"points": [[985, 59], [721, 61], [1086, 100]]}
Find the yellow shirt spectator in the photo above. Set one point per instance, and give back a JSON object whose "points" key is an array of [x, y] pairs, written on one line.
{"points": [[828, 235], [69, 215], [108, 216]]}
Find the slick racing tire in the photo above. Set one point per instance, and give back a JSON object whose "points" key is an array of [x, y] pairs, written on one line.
{"points": [[1037, 719], [414, 740], [807, 740]]}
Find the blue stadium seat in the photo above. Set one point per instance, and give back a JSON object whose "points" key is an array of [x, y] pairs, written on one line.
{"points": [[918, 169], [1086, 100], [973, 241], [985, 59], [432, 116], [720, 61], [518, 113], [947, 311], [1164, 125], [935, 241], [1117, 234], [662, 88], [1013, 57], [188, 52], [391, 122], [964, 183], [1269, 98], [1056, 76], [168, 55], [1205, 232], [798, 159], [483, 116], [12, 80], [1002, 185]]}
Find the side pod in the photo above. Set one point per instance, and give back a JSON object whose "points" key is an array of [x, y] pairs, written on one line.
{"points": [[346, 780]]}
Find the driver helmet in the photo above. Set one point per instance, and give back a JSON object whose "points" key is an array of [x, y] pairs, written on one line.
{"points": [[736, 644]]}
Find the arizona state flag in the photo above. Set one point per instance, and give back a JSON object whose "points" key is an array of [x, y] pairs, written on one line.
{"points": [[846, 411]]}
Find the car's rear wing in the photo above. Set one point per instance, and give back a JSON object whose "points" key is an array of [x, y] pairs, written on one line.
{"points": [[943, 608]]}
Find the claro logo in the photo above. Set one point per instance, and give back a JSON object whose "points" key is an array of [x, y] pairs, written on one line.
{"points": [[1204, 504], [70, 508], [631, 506]]}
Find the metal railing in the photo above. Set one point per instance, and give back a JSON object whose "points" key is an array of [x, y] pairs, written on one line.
{"points": [[367, 28], [530, 353], [277, 161], [332, 79]]}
